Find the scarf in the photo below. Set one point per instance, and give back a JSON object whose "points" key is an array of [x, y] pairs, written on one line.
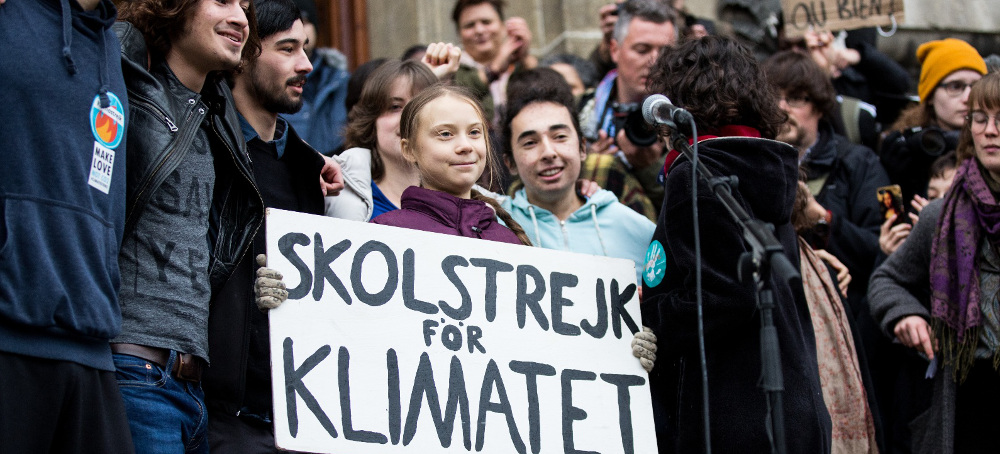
{"points": [[839, 373], [725, 131], [969, 210]]}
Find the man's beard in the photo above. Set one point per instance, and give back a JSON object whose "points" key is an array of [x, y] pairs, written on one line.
{"points": [[274, 98], [792, 134]]}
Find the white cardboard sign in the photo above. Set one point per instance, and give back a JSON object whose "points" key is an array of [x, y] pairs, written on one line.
{"points": [[396, 340], [836, 15]]}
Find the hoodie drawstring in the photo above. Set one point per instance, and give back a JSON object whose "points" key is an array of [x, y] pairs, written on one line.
{"points": [[597, 226], [102, 91], [534, 222], [67, 52], [67, 30]]}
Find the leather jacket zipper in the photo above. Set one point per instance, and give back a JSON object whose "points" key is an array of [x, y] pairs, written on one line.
{"points": [[181, 140], [144, 104], [170, 124]]}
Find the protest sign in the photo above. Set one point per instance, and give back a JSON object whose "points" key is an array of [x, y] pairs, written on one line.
{"points": [[836, 15], [395, 340]]}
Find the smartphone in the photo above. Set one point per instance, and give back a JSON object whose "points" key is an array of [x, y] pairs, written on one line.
{"points": [[890, 202]]}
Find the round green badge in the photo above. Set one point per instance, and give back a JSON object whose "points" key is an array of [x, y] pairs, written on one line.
{"points": [[656, 264]]}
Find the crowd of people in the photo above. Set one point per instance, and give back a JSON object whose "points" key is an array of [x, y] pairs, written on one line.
{"points": [[134, 285]]}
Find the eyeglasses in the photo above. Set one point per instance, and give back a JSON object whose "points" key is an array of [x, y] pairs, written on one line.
{"points": [[955, 87], [978, 120], [796, 101]]}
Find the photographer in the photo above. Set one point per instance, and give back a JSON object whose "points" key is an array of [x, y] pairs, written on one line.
{"points": [[643, 29], [929, 129]]}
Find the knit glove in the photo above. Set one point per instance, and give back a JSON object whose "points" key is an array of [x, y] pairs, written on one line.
{"points": [[269, 289], [644, 348]]}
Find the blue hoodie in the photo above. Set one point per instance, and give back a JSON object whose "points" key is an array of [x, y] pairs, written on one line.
{"points": [[602, 226], [62, 181]]}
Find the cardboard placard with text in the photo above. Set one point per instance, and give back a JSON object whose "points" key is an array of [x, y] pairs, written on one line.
{"points": [[836, 15], [395, 340]]}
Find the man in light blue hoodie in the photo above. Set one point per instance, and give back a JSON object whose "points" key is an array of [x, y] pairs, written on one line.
{"points": [[544, 147]]}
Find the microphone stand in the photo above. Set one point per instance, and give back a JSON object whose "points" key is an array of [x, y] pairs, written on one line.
{"points": [[766, 256]]}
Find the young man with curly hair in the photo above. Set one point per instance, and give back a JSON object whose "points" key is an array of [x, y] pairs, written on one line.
{"points": [[192, 206]]}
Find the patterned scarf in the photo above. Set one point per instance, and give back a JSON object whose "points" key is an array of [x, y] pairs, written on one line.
{"points": [[969, 210], [839, 373]]}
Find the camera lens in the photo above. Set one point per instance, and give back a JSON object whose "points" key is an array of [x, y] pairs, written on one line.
{"points": [[928, 140], [638, 131]]}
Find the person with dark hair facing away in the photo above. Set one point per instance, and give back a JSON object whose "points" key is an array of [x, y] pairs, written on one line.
{"points": [[62, 212], [720, 83], [192, 206], [286, 169]]}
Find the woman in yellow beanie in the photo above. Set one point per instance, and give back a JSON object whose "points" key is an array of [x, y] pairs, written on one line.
{"points": [[948, 67]]}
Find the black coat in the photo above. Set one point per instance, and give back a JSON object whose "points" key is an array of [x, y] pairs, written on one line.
{"points": [[853, 176], [234, 320], [767, 171]]}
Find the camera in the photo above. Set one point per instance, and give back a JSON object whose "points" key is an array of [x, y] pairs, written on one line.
{"points": [[931, 141], [907, 156], [628, 117]]}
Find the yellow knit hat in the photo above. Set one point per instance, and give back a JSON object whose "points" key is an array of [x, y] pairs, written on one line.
{"points": [[940, 58]]}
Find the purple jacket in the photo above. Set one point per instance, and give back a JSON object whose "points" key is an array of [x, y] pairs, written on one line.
{"points": [[436, 211]]}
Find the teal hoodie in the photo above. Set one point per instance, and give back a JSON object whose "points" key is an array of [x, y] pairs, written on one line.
{"points": [[602, 226]]}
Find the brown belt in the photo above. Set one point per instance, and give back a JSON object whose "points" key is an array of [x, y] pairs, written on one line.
{"points": [[187, 367]]}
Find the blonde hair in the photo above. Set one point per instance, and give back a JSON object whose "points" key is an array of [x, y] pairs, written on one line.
{"points": [[409, 123]]}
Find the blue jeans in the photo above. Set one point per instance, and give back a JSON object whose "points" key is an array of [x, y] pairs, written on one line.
{"points": [[165, 415]]}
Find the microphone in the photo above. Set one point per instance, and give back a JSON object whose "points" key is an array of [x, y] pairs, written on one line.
{"points": [[658, 110]]}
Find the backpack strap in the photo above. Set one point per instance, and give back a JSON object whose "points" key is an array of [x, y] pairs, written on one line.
{"points": [[850, 112]]}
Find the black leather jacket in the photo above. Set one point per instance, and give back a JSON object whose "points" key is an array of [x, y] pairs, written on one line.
{"points": [[235, 322], [163, 122]]}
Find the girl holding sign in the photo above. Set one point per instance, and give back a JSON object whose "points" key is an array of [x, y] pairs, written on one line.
{"points": [[375, 173], [444, 134]]}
